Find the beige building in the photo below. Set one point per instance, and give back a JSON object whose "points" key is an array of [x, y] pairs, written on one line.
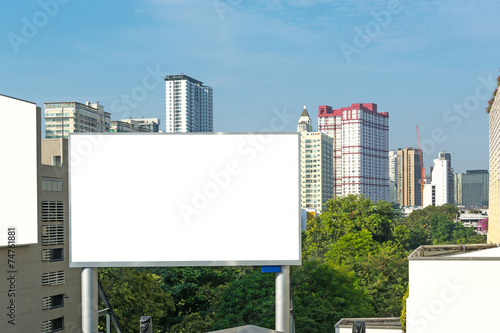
{"points": [[70, 117], [408, 177], [45, 292], [494, 191], [316, 162]]}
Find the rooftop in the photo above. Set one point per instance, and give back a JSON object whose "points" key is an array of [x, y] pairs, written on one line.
{"points": [[456, 252]]}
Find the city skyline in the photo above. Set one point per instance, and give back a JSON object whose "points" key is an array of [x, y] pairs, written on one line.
{"points": [[428, 64]]}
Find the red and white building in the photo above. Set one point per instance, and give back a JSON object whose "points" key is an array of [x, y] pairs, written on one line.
{"points": [[361, 146]]}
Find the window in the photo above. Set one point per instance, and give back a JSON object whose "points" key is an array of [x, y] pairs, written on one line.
{"points": [[52, 184], [52, 211], [52, 254], [52, 235], [53, 278], [53, 325], [53, 302]]}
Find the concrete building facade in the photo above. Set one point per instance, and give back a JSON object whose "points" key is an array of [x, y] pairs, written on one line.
{"points": [[316, 161], [45, 292], [71, 117], [409, 174], [189, 105], [494, 168], [442, 186], [361, 146], [471, 189], [393, 176]]}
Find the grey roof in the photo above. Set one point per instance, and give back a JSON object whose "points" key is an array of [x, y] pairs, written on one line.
{"points": [[246, 329], [304, 113], [379, 323], [450, 252]]}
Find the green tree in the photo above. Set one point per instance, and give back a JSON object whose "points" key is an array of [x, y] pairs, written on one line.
{"points": [[248, 300], [323, 295], [134, 293], [343, 215], [381, 269]]}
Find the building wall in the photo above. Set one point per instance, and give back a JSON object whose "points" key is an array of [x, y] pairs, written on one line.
{"points": [[189, 105], [494, 168], [72, 117], [408, 177], [42, 269], [361, 145], [316, 169], [471, 188]]}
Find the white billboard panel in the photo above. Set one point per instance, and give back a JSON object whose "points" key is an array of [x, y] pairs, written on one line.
{"points": [[18, 170], [184, 199]]}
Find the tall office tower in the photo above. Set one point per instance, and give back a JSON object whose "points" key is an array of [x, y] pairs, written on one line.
{"points": [[46, 292], [442, 179], [471, 188], [361, 145], [494, 191], [409, 174], [189, 105], [393, 176], [70, 117]]}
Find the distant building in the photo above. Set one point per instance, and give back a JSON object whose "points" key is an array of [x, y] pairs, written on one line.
{"points": [[150, 124], [494, 190], [393, 176], [73, 117], [361, 139], [441, 188], [409, 174], [316, 160], [189, 105], [47, 292], [471, 188]]}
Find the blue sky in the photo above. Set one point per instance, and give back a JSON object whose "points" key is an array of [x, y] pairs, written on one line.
{"points": [[431, 63]]}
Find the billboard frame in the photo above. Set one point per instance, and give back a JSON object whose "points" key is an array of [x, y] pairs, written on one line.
{"points": [[189, 263]]}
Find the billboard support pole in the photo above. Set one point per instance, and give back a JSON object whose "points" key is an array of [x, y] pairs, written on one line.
{"points": [[283, 300], [89, 300]]}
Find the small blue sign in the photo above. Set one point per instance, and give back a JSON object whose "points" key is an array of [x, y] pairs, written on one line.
{"points": [[271, 269]]}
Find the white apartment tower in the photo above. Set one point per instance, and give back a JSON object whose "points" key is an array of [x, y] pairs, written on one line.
{"points": [[441, 189], [189, 105], [316, 162], [361, 147]]}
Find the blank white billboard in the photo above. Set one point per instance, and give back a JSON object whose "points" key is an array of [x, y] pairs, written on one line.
{"points": [[191, 199], [18, 172]]}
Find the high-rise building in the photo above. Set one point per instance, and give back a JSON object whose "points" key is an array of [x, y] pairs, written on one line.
{"points": [[409, 176], [72, 117], [361, 145], [494, 191], [441, 187], [471, 188], [44, 291], [189, 105], [316, 161], [393, 176]]}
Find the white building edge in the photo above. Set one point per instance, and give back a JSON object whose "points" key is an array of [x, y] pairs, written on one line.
{"points": [[453, 288]]}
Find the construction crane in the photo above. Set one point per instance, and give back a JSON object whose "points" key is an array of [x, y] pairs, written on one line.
{"points": [[422, 175]]}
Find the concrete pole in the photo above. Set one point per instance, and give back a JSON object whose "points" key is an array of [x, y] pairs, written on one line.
{"points": [[283, 300], [89, 300]]}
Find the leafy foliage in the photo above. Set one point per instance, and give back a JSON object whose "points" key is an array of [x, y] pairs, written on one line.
{"points": [[323, 295], [134, 293]]}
